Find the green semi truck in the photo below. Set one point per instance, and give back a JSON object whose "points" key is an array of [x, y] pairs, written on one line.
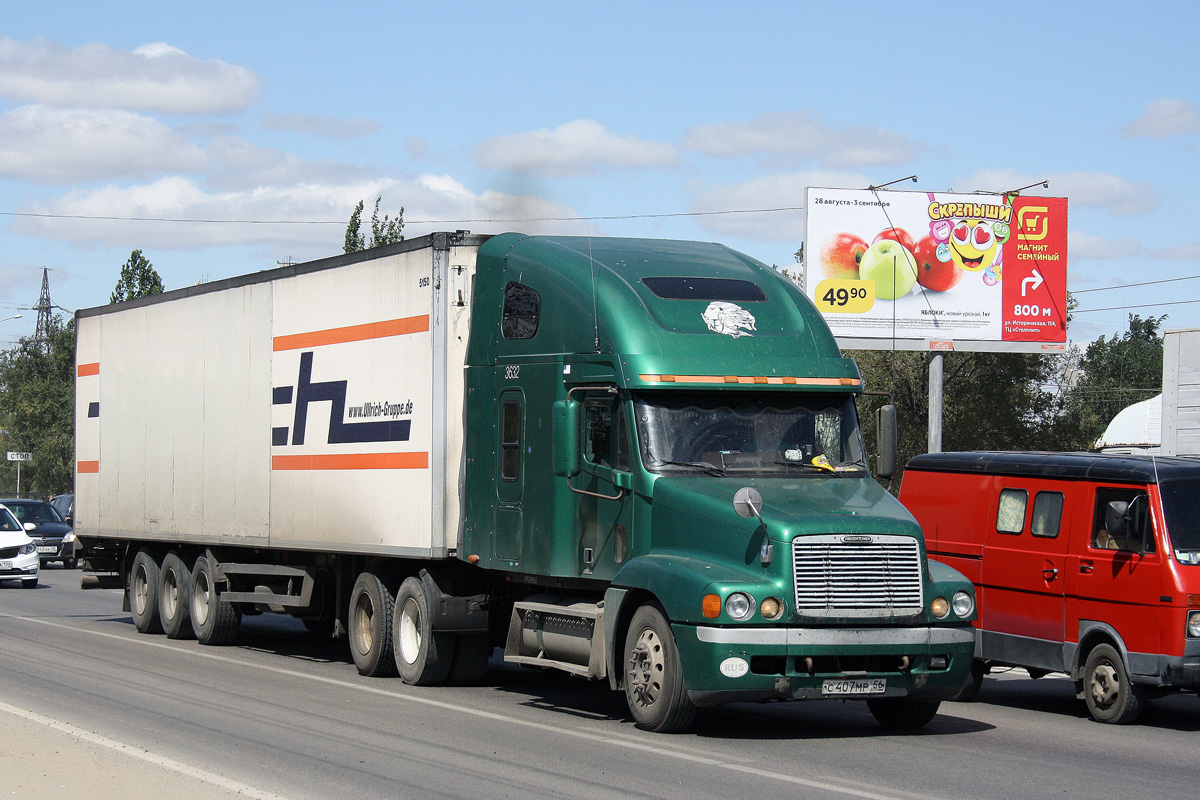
{"points": [[637, 461]]}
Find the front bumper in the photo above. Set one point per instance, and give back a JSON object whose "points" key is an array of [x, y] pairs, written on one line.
{"points": [[62, 551], [20, 567], [723, 665]]}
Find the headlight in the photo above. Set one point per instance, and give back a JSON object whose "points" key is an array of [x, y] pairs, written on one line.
{"points": [[70, 537], [27, 549], [939, 607], [1193, 628], [739, 605], [772, 608], [963, 604]]}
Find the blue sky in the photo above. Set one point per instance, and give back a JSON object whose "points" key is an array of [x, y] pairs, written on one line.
{"points": [[641, 117]]}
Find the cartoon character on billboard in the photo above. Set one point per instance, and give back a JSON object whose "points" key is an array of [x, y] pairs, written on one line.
{"points": [[972, 243]]}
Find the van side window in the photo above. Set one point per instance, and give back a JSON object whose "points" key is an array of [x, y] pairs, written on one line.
{"points": [[1108, 529], [522, 309], [1047, 514], [1010, 518], [510, 441]]}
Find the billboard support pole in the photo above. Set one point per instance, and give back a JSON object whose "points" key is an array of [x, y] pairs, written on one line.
{"points": [[936, 377]]}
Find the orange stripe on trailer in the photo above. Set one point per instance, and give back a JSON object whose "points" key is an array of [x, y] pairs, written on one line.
{"points": [[353, 333], [83, 370], [770, 380], [352, 461], [87, 467]]}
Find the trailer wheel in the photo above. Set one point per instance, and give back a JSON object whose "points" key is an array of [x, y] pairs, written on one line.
{"points": [[214, 621], [471, 654], [1110, 695], [654, 685], [423, 657], [903, 713], [174, 588], [143, 593], [371, 608]]}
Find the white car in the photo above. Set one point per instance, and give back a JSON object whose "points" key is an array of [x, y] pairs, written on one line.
{"points": [[19, 559]]}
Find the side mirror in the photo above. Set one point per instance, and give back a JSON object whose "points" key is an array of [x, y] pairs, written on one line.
{"points": [[565, 430], [29, 526], [1115, 521], [887, 439], [622, 479]]}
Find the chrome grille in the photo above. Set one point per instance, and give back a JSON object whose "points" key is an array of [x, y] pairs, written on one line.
{"points": [[857, 575]]}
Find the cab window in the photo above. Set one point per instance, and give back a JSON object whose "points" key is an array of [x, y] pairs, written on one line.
{"points": [[1109, 530]]}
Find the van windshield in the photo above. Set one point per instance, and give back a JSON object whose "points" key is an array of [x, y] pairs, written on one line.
{"points": [[754, 433], [1181, 507]]}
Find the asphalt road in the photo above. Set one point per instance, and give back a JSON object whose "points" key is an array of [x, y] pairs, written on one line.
{"points": [[90, 708]]}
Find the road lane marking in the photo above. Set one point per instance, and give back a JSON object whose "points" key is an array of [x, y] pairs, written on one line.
{"points": [[656, 748]]}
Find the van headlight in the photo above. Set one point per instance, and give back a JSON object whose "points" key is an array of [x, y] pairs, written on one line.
{"points": [[963, 604], [1193, 625], [739, 605]]}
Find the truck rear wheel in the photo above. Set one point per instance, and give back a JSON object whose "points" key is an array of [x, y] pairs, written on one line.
{"points": [[903, 713], [423, 657], [214, 621], [371, 608], [143, 593], [174, 588], [1110, 695], [654, 686]]}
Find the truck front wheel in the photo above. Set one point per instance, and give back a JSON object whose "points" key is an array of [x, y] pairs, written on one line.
{"points": [[214, 621], [903, 713], [143, 593], [1110, 695], [654, 684], [371, 609], [175, 584], [423, 657]]}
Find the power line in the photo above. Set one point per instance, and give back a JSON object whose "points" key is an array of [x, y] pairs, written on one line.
{"points": [[1137, 305], [1130, 285]]}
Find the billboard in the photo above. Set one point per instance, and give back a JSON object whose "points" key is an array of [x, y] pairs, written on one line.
{"points": [[932, 270]]}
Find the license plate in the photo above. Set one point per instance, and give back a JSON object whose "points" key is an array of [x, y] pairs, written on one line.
{"points": [[47, 548], [843, 687], [6, 565]]}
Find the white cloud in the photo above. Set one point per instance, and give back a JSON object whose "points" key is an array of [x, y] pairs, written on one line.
{"points": [[56, 145], [803, 135], [1086, 246], [319, 125], [1165, 117], [154, 77], [1183, 252], [767, 191], [313, 216], [575, 148], [1092, 189]]}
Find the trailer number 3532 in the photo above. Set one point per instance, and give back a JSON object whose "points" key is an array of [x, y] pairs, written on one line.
{"points": [[512, 373]]}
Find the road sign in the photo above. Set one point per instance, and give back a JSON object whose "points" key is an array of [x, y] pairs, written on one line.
{"points": [[19, 456]]}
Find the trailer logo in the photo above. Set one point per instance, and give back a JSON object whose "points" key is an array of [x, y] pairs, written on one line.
{"points": [[340, 431], [728, 318]]}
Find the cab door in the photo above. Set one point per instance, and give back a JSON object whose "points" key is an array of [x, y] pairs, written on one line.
{"points": [[605, 499], [1024, 572]]}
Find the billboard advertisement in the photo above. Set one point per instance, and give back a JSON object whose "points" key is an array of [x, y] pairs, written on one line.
{"points": [[938, 270]]}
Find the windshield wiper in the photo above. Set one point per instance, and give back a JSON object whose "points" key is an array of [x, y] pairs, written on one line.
{"points": [[711, 469], [839, 469]]}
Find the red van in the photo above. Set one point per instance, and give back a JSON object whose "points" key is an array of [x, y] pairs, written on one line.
{"points": [[1087, 564]]}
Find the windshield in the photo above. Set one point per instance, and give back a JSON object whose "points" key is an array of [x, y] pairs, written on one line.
{"points": [[35, 512], [8, 522], [1181, 507], [757, 433]]}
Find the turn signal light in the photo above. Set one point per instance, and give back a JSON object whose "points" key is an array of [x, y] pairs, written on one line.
{"points": [[711, 606]]}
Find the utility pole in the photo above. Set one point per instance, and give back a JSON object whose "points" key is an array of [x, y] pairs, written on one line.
{"points": [[44, 309]]}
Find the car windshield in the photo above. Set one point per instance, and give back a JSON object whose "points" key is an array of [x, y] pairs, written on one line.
{"points": [[1181, 507], [8, 522], [755, 433], [35, 512]]}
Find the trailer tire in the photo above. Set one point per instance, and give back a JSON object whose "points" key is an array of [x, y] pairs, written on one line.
{"points": [[1110, 695], [174, 597], [471, 654], [214, 621], [423, 657], [903, 713], [654, 684], [372, 604], [143, 593]]}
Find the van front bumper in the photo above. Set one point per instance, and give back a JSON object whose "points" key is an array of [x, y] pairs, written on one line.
{"points": [[733, 664]]}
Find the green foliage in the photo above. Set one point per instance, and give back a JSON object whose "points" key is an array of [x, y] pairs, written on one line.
{"points": [[1116, 373], [383, 231], [37, 411], [138, 279]]}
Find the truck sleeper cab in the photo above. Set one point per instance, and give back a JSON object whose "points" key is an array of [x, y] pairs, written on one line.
{"points": [[1085, 564]]}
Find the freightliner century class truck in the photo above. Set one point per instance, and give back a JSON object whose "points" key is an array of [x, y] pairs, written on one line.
{"points": [[637, 461]]}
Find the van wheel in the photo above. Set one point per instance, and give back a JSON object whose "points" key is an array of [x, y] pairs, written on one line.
{"points": [[974, 683], [1110, 695], [423, 656], [371, 607], [902, 713], [654, 685], [143, 593], [174, 588], [214, 621]]}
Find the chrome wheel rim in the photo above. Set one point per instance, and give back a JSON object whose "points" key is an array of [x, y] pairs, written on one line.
{"points": [[410, 631], [645, 669]]}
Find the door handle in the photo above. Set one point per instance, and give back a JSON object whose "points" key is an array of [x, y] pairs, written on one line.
{"points": [[1050, 573], [1086, 567]]}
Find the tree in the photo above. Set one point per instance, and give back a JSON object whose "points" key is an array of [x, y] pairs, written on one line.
{"points": [[1115, 373], [138, 279], [37, 410], [383, 231]]}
